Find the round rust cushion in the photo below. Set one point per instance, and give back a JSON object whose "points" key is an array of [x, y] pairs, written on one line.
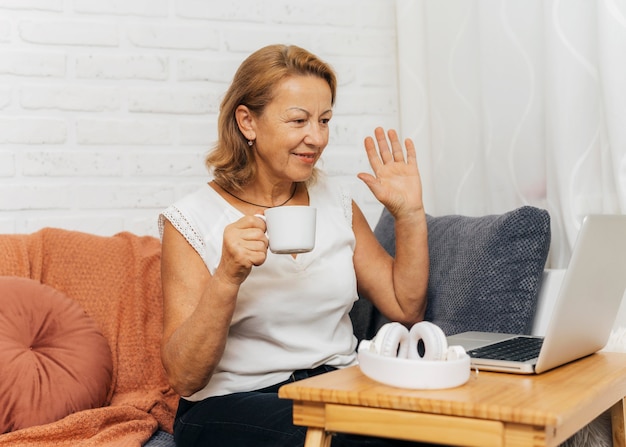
{"points": [[54, 360]]}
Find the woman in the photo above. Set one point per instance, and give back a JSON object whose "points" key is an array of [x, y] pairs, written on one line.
{"points": [[240, 321]]}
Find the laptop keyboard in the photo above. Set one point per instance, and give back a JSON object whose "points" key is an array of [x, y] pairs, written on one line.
{"points": [[517, 349]]}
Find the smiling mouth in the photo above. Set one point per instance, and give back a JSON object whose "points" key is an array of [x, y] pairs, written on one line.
{"points": [[306, 157]]}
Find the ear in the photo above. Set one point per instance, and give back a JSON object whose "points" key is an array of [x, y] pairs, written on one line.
{"points": [[245, 121]]}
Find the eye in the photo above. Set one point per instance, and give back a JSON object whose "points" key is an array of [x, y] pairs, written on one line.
{"points": [[325, 121]]}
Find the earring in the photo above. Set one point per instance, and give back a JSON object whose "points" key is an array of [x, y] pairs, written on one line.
{"points": [[250, 143]]}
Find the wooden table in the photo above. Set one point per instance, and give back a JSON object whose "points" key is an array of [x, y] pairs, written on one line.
{"points": [[490, 410]]}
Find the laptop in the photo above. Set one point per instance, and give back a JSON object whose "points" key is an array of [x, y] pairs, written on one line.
{"points": [[584, 312]]}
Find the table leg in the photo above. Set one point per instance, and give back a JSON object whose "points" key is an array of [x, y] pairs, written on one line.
{"points": [[317, 437], [618, 424]]}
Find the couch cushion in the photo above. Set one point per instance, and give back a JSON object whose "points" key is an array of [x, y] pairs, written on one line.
{"points": [[485, 272], [54, 360]]}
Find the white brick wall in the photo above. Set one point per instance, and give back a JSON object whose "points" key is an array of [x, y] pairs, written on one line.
{"points": [[107, 107]]}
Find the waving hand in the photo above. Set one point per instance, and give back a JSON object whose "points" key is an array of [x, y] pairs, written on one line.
{"points": [[396, 181]]}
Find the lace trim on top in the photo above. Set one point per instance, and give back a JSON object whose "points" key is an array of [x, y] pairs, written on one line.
{"points": [[180, 222], [346, 203]]}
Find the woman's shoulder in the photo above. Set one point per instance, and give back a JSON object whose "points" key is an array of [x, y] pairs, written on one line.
{"points": [[202, 194], [332, 190], [190, 209]]}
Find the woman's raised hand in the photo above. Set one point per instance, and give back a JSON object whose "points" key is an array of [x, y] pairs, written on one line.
{"points": [[396, 181]]}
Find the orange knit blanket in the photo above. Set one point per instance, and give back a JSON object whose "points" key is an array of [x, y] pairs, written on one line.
{"points": [[117, 281]]}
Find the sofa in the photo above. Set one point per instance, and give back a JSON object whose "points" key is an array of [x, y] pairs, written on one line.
{"points": [[80, 325], [81, 320]]}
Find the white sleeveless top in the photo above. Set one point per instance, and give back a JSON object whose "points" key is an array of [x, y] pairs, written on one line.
{"points": [[291, 313]]}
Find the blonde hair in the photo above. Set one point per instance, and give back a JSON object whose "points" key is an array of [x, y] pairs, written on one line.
{"points": [[232, 160]]}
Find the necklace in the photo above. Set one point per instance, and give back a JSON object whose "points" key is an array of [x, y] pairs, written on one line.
{"points": [[293, 193]]}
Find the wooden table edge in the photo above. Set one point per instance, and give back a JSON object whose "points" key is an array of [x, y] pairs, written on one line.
{"points": [[553, 434]]}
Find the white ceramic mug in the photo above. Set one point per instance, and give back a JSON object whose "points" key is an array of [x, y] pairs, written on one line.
{"points": [[290, 229]]}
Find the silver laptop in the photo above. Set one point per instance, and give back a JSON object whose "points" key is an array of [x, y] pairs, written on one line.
{"points": [[584, 312]]}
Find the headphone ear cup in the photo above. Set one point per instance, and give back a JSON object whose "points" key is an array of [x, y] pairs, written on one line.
{"points": [[392, 340], [433, 342]]}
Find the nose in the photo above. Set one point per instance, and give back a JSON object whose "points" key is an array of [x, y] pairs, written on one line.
{"points": [[317, 135]]}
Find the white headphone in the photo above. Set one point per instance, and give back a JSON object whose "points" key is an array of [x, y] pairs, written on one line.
{"points": [[425, 341], [415, 358]]}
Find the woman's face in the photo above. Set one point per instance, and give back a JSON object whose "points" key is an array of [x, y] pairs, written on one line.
{"points": [[292, 132]]}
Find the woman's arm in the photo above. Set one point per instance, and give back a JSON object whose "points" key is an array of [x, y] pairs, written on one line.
{"points": [[397, 287], [198, 307]]}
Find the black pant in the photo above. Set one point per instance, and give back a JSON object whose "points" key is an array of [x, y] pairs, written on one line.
{"points": [[254, 419]]}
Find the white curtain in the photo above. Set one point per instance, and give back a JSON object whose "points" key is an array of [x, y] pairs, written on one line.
{"points": [[517, 102]]}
